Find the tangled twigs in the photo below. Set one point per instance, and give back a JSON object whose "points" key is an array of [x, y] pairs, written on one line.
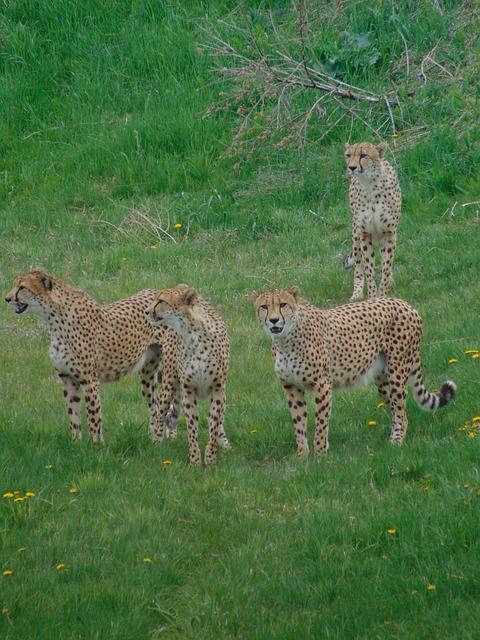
{"points": [[267, 87]]}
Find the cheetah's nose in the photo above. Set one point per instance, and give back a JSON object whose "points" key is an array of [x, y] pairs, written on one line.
{"points": [[352, 168], [8, 300], [274, 320]]}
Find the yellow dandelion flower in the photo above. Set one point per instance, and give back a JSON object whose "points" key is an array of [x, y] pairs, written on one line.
{"points": [[153, 246], [166, 462], [9, 494], [426, 487], [466, 485], [123, 259], [60, 565], [391, 531], [73, 489], [387, 621], [29, 494], [146, 559], [380, 405], [20, 549], [414, 592], [471, 434], [475, 355], [431, 587], [452, 360], [5, 610], [253, 431], [371, 423], [19, 499], [16, 493], [48, 466], [7, 572], [178, 225], [476, 419], [471, 351]]}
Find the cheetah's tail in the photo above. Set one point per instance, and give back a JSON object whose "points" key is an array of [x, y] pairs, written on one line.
{"points": [[427, 400], [348, 261]]}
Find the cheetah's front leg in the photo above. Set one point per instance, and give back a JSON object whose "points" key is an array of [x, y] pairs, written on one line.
{"points": [[91, 392], [298, 410], [389, 243], [191, 414], [323, 407], [215, 422], [368, 255], [71, 393], [358, 275]]}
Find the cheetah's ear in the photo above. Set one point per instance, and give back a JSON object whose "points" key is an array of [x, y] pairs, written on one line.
{"points": [[381, 148], [295, 293], [346, 146], [46, 281], [254, 295], [190, 295]]}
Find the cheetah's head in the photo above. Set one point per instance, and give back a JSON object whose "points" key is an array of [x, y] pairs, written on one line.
{"points": [[276, 310], [364, 158], [172, 306], [30, 292]]}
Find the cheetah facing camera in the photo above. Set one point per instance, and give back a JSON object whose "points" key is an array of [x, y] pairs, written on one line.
{"points": [[322, 350], [198, 337], [92, 343], [375, 202]]}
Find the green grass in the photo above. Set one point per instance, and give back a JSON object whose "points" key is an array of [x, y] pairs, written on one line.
{"points": [[263, 545]]}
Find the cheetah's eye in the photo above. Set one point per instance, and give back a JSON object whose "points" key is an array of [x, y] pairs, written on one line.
{"points": [[263, 307], [347, 155], [283, 305], [21, 288], [363, 155]]}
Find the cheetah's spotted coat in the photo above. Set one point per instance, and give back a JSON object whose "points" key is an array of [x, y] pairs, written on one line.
{"points": [[375, 202], [198, 336], [92, 343], [322, 350]]}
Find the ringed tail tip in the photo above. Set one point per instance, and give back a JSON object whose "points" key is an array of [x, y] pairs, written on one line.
{"points": [[447, 392]]}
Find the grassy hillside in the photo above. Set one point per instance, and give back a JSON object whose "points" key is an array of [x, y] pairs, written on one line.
{"points": [[118, 173]]}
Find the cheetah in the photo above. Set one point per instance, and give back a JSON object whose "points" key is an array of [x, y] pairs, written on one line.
{"points": [[375, 202], [92, 343], [323, 350], [198, 336]]}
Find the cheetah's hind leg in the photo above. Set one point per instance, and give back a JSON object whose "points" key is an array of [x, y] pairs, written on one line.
{"points": [[173, 415]]}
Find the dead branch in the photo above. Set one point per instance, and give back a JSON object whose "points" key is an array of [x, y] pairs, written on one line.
{"points": [[264, 87]]}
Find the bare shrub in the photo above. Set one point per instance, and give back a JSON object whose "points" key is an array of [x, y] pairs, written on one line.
{"points": [[271, 77]]}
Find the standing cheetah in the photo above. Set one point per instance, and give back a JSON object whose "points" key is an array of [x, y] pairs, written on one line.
{"points": [[92, 343], [198, 337], [346, 346], [375, 202]]}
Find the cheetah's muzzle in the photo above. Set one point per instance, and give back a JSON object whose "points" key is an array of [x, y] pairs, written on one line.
{"points": [[276, 330]]}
